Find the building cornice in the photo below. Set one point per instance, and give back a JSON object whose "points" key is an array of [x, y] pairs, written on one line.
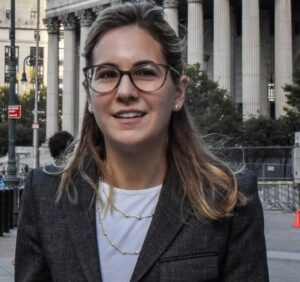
{"points": [[56, 10]]}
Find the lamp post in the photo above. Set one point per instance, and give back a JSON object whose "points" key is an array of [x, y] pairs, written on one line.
{"points": [[11, 178], [271, 97], [29, 60], [35, 124]]}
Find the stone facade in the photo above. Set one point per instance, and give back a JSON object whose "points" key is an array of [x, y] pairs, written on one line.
{"points": [[241, 44], [25, 15]]}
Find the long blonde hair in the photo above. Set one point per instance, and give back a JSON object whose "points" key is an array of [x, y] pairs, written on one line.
{"points": [[208, 184]]}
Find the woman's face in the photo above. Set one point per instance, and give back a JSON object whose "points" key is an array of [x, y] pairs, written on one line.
{"points": [[129, 118]]}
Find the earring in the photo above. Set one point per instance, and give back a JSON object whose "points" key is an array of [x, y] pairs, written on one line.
{"points": [[90, 108], [176, 107]]}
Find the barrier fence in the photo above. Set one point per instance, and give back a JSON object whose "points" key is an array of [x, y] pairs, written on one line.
{"points": [[279, 195]]}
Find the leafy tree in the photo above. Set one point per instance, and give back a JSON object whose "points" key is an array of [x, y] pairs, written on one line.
{"points": [[4, 91], [263, 132], [292, 117], [24, 124], [212, 108]]}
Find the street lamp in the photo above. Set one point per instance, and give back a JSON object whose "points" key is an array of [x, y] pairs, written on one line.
{"points": [[271, 91], [271, 97], [29, 61]]}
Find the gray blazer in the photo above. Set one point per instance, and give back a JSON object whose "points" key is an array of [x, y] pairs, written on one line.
{"points": [[57, 242]]}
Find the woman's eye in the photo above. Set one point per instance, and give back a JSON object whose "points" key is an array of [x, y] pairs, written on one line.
{"points": [[145, 72], [106, 74]]}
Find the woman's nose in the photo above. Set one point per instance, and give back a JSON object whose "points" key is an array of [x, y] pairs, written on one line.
{"points": [[126, 89]]}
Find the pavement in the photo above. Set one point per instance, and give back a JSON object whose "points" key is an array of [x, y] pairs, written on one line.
{"points": [[283, 248]]}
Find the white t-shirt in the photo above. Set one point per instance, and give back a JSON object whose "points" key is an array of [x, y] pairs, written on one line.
{"points": [[128, 234]]}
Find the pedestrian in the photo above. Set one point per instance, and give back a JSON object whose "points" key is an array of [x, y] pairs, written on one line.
{"points": [[59, 148], [3, 171], [141, 199]]}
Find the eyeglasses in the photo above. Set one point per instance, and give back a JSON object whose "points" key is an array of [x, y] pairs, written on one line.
{"points": [[148, 77]]}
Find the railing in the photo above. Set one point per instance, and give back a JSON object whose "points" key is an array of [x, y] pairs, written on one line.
{"points": [[279, 195]]}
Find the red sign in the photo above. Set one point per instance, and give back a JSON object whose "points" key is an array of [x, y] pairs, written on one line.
{"points": [[14, 111]]}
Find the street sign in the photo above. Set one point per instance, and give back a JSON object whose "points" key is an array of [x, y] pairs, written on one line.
{"points": [[14, 111], [35, 125]]}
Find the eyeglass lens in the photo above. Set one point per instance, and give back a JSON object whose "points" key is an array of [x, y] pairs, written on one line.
{"points": [[146, 77]]}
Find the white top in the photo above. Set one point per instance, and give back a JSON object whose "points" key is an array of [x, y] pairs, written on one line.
{"points": [[126, 233]]}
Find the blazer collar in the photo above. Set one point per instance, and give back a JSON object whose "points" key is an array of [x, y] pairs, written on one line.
{"points": [[81, 224], [170, 214]]}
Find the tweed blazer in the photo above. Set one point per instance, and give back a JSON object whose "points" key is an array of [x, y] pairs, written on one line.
{"points": [[57, 241]]}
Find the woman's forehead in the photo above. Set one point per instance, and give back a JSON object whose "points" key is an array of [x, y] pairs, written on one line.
{"points": [[129, 43]]}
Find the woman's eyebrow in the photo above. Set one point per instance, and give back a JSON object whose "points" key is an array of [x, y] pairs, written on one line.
{"points": [[143, 62]]}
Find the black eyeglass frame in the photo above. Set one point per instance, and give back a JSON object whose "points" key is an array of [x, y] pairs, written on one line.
{"points": [[122, 73]]}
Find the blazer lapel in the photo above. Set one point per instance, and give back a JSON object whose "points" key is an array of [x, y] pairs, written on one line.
{"points": [[169, 217], [81, 224]]}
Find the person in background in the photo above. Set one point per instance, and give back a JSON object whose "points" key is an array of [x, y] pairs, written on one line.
{"points": [[58, 145], [3, 171], [141, 198]]}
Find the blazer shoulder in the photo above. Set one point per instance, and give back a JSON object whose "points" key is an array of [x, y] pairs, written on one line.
{"points": [[43, 180]]}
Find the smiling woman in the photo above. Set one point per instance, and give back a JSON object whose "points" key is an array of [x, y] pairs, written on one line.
{"points": [[141, 199]]}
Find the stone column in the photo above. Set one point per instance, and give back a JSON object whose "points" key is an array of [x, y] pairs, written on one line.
{"points": [[195, 32], [283, 52], [69, 78], [222, 44], [171, 13], [86, 19], [52, 77], [250, 58]]}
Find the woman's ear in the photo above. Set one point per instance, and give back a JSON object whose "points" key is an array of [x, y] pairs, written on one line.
{"points": [[180, 92]]}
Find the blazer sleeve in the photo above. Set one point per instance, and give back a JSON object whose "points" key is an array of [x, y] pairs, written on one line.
{"points": [[30, 263], [246, 258]]}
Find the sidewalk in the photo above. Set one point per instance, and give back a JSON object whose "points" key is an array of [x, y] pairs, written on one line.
{"points": [[283, 245], [7, 250]]}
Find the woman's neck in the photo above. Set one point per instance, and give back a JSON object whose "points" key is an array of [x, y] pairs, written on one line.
{"points": [[135, 171]]}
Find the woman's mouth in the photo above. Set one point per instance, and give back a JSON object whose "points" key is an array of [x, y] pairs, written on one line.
{"points": [[128, 115]]}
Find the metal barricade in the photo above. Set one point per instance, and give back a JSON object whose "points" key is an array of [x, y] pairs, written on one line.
{"points": [[281, 195]]}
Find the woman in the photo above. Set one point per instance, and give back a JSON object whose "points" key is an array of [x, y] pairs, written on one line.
{"points": [[141, 199]]}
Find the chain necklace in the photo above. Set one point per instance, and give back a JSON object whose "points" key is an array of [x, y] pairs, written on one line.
{"points": [[126, 216], [111, 243], [138, 217]]}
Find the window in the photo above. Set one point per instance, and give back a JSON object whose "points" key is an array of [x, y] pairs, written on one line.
{"points": [[7, 62], [40, 62], [7, 14]]}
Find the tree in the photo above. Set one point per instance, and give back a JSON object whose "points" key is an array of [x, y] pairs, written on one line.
{"points": [[212, 108], [261, 132], [292, 117], [4, 91], [24, 124]]}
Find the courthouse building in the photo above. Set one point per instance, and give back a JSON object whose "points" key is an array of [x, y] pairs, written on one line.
{"points": [[248, 46], [25, 26]]}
